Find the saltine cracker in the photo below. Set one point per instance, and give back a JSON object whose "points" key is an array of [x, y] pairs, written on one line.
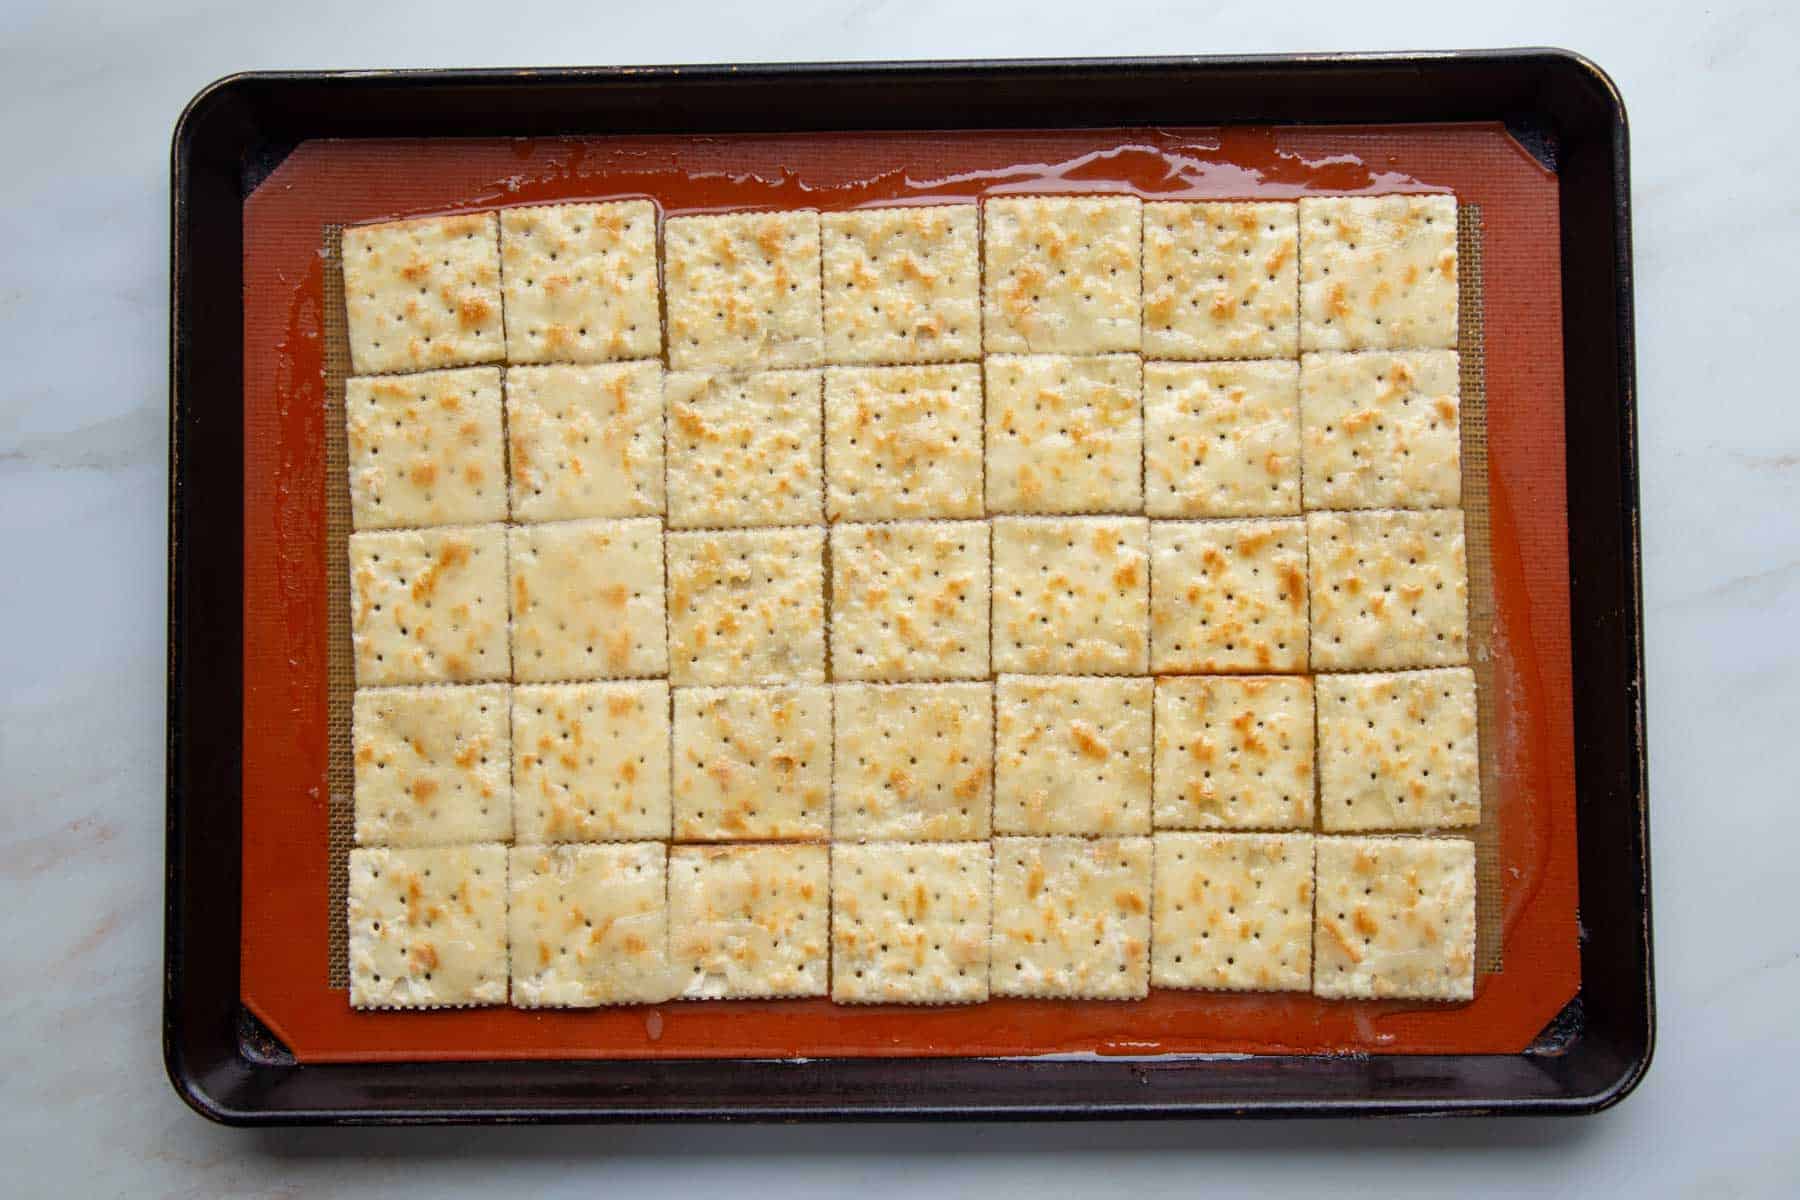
{"points": [[1064, 435], [743, 290], [750, 922], [1398, 751], [909, 600], [1234, 752], [914, 762], [747, 606], [425, 449], [590, 761], [903, 442], [1061, 274], [752, 763], [423, 293], [587, 600], [1228, 596], [744, 450], [1378, 272], [586, 441], [1072, 755], [1381, 430], [1221, 439], [1234, 911], [589, 925], [429, 605], [902, 285], [1221, 279], [1071, 918], [1071, 595], [427, 926], [431, 765], [580, 282], [1395, 919], [1389, 590], [909, 922]]}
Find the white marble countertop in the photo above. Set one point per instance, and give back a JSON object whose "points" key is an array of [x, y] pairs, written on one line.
{"points": [[90, 95]]}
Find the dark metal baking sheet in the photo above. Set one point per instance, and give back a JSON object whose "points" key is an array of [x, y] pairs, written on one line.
{"points": [[237, 130]]}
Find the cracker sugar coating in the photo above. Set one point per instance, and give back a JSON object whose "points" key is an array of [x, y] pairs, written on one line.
{"points": [[1395, 919], [750, 921], [591, 761], [589, 925], [1071, 595], [902, 285], [1072, 755], [580, 282], [1064, 435], [1221, 280], [1234, 911], [426, 449], [429, 605], [1072, 918], [431, 765], [747, 606], [909, 600], [427, 926], [743, 291], [1378, 272], [909, 923], [1228, 596], [1221, 439], [1062, 274], [423, 293], [587, 600], [586, 441], [1389, 590]]}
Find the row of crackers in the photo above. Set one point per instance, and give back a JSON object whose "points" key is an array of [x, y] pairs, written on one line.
{"points": [[918, 923], [1020, 274], [1038, 755], [1037, 433], [1337, 591]]}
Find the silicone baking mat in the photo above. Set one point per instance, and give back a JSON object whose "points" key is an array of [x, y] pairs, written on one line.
{"points": [[1526, 946]]}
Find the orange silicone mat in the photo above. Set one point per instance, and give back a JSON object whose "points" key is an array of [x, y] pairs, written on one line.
{"points": [[287, 819]]}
